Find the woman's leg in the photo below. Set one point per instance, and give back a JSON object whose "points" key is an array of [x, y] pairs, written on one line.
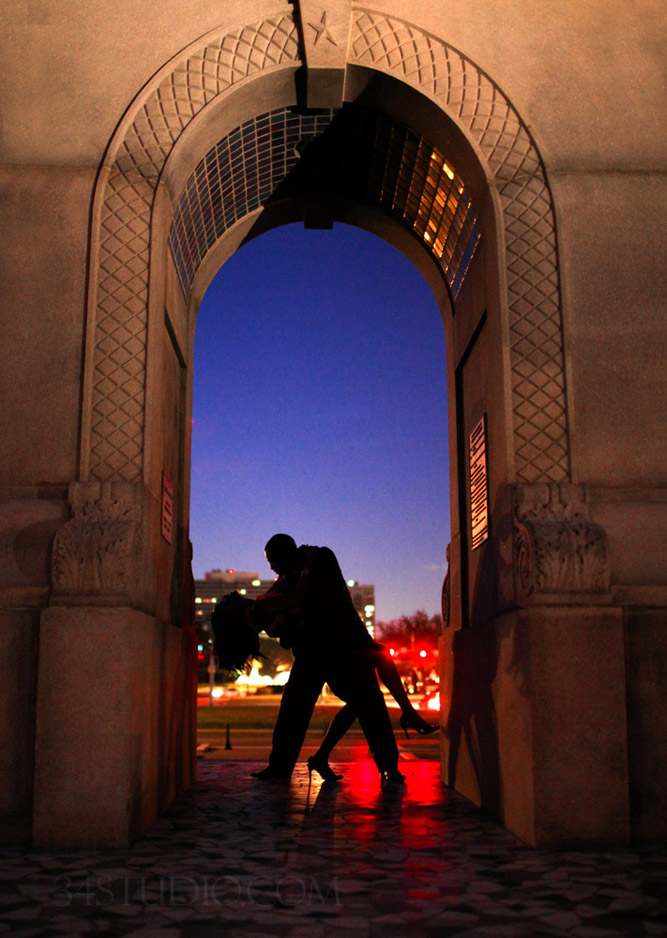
{"points": [[391, 679], [337, 729]]}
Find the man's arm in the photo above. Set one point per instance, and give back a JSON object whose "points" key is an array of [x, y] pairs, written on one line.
{"points": [[270, 607]]}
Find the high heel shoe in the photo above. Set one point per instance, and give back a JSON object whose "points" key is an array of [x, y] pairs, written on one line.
{"points": [[414, 722], [322, 767]]}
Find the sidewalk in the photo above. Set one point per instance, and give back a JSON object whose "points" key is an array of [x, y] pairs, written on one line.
{"points": [[248, 859]]}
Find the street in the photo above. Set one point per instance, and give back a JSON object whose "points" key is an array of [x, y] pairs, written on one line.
{"points": [[240, 728]]}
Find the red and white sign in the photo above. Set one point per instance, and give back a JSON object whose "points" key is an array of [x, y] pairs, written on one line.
{"points": [[167, 508]]}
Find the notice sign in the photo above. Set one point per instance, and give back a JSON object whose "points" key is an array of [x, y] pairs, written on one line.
{"points": [[167, 508], [479, 484]]}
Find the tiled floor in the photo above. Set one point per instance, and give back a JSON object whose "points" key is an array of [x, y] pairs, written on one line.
{"points": [[247, 859]]}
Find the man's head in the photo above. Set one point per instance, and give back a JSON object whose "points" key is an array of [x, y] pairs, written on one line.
{"points": [[281, 553]]}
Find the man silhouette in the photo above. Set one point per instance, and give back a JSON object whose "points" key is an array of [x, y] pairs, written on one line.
{"points": [[329, 644]]}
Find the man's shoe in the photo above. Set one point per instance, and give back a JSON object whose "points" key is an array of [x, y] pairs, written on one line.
{"points": [[268, 773], [391, 777]]}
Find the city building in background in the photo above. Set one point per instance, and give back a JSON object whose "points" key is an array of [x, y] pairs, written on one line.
{"points": [[215, 585], [219, 583], [363, 597]]}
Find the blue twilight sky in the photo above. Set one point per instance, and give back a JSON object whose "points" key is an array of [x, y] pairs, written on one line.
{"points": [[320, 410]]}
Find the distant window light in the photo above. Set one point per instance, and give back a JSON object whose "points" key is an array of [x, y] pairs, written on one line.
{"points": [[256, 582], [351, 583], [243, 592], [368, 609], [197, 599]]}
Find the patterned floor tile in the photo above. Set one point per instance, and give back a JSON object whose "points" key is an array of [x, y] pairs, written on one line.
{"points": [[247, 858]]}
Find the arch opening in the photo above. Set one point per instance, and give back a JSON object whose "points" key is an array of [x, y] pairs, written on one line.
{"points": [[314, 352]]}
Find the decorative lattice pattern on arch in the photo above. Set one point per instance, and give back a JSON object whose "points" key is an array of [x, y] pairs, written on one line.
{"points": [[138, 152], [358, 153], [483, 111], [238, 175], [119, 367]]}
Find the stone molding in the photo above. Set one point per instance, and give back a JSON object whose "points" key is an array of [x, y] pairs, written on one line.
{"points": [[97, 552], [558, 553], [112, 446]]}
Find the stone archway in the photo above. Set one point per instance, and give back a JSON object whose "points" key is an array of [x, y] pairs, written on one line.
{"points": [[108, 564], [113, 422]]}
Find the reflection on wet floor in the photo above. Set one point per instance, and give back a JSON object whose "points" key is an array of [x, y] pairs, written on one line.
{"points": [[252, 858]]}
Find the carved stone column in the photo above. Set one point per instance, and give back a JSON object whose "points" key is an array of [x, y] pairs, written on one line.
{"points": [[534, 719], [116, 679]]}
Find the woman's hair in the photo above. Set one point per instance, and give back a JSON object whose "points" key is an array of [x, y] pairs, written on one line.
{"points": [[236, 642]]}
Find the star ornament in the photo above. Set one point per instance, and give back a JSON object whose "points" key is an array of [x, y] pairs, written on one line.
{"points": [[322, 31]]}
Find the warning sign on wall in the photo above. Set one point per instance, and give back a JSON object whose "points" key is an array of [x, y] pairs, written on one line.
{"points": [[167, 508], [479, 484]]}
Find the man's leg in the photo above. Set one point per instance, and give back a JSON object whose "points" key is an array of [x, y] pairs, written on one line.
{"points": [[375, 723], [296, 708], [356, 683]]}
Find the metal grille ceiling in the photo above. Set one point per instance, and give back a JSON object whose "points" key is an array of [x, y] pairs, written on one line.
{"points": [[352, 154]]}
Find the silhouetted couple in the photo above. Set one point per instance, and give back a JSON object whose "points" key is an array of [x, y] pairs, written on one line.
{"points": [[309, 608]]}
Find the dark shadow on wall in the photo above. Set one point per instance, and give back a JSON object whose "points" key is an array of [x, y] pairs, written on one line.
{"points": [[472, 714]]}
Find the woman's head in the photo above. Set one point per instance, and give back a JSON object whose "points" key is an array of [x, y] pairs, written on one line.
{"points": [[236, 642]]}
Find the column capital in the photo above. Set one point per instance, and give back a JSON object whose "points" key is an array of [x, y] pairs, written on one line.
{"points": [[559, 554]]}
